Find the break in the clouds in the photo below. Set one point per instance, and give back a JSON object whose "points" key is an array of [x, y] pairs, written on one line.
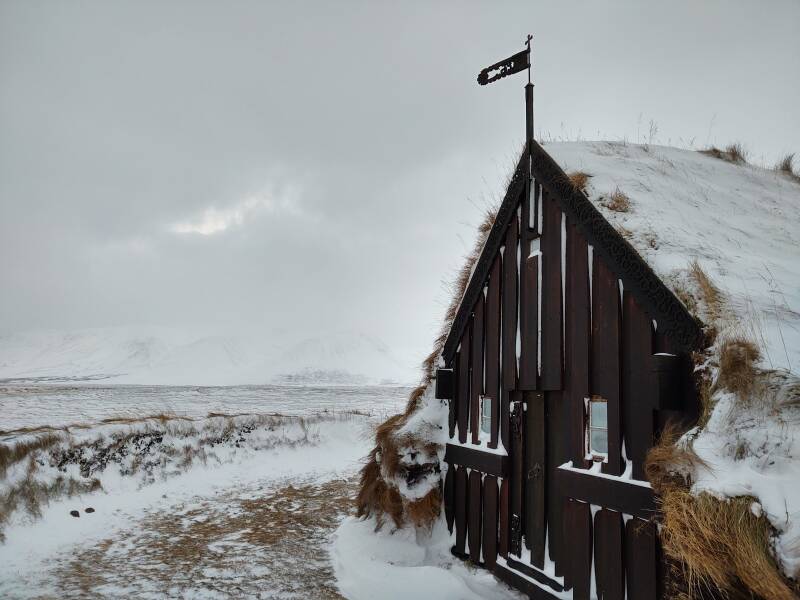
{"points": [[320, 166]]}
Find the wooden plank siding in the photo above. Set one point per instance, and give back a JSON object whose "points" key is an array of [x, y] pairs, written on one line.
{"points": [[637, 382], [540, 335], [536, 477], [462, 387], [476, 369], [490, 495], [475, 515], [576, 339], [528, 300], [606, 366], [552, 342], [492, 362]]}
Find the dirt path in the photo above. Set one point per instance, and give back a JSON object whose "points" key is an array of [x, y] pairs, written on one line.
{"points": [[263, 540]]}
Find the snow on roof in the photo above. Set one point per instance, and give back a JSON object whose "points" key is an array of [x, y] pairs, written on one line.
{"points": [[740, 222]]}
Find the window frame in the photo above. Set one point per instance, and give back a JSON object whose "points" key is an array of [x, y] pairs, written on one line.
{"points": [[592, 453]]}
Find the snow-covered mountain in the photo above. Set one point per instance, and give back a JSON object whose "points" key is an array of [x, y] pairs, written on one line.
{"points": [[152, 355]]}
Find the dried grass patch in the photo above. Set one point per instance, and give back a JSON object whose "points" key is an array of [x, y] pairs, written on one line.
{"points": [[240, 547], [720, 543], [733, 153], [11, 454], [711, 295], [579, 180], [738, 357], [786, 166], [617, 202]]}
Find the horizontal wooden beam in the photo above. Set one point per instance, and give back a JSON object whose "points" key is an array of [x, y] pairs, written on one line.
{"points": [[485, 462], [517, 581], [534, 574], [607, 491]]}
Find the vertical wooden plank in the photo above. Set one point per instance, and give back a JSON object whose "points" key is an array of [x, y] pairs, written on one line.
{"points": [[492, 321], [450, 496], [528, 306], [510, 306], [608, 558], [462, 391], [490, 521], [460, 509], [606, 366], [576, 339], [452, 415], [535, 476], [578, 532], [476, 383], [474, 517], [552, 342], [556, 423], [509, 328], [641, 559], [502, 536], [517, 456], [638, 383]]}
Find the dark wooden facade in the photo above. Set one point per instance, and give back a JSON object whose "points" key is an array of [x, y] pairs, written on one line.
{"points": [[560, 308]]}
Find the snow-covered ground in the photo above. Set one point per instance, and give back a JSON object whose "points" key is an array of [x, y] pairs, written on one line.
{"points": [[30, 406], [243, 506]]}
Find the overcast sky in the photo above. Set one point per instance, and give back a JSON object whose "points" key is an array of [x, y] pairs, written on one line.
{"points": [[322, 165]]}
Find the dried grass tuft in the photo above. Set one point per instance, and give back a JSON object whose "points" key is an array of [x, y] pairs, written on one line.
{"points": [[733, 153], [668, 463], [579, 180], [618, 202], [786, 166], [720, 544], [738, 357], [711, 295], [11, 454]]}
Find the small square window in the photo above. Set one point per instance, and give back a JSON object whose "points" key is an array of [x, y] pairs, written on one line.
{"points": [[598, 427], [486, 414]]}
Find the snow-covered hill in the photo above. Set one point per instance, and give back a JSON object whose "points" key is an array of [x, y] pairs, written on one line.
{"points": [[152, 355]]}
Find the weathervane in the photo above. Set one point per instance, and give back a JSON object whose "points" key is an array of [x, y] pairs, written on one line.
{"points": [[514, 64]]}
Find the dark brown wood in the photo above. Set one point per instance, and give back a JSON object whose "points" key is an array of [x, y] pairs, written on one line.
{"points": [[552, 342], [578, 530], [485, 462], [638, 383], [475, 508], [629, 498], [535, 477], [510, 306], [502, 512], [492, 320], [557, 452], [606, 365], [445, 386], [641, 558], [490, 521], [528, 304], [460, 509], [623, 260], [450, 497], [517, 472], [529, 322], [576, 342], [476, 381], [534, 574], [463, 385], [515, 580], [608, 558]]}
